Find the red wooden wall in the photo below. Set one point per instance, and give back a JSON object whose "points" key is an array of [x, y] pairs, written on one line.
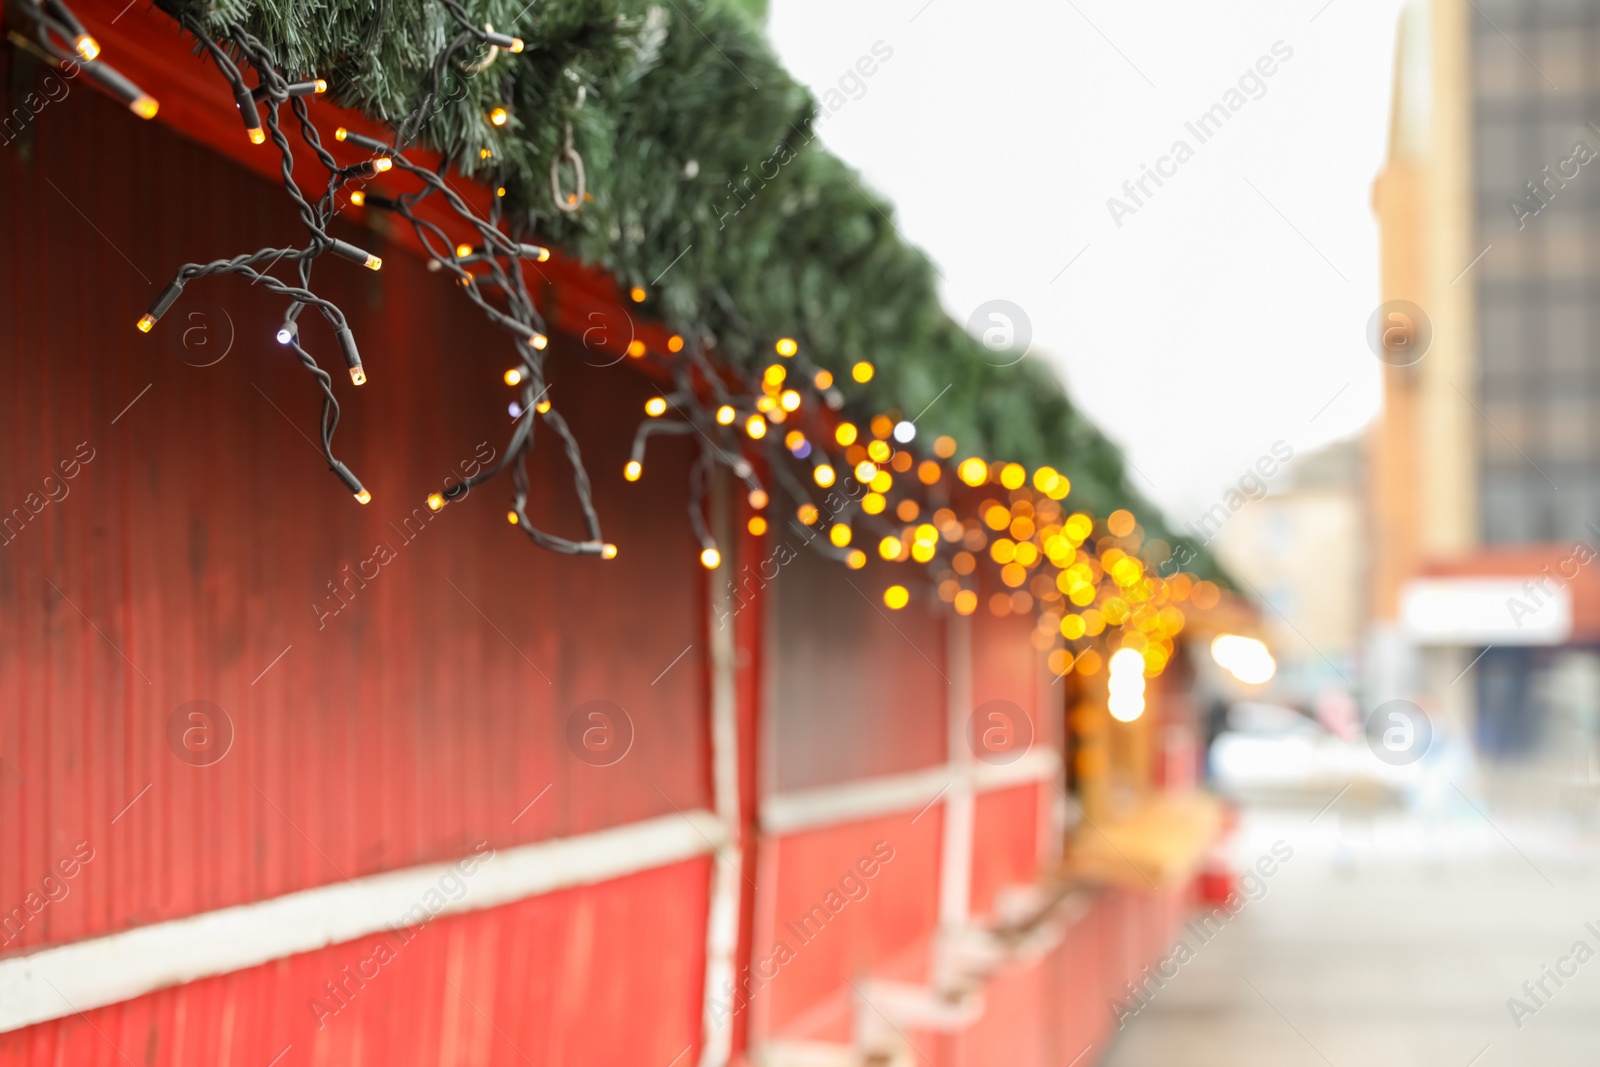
{"points": [[186, 555]]}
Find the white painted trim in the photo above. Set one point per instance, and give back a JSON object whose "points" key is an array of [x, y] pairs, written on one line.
{"points": [[866, 798], [62, 980], [722, 916]]}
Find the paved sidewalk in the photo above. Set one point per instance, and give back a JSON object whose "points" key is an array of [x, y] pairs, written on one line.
{"points": [[1387, 942]]}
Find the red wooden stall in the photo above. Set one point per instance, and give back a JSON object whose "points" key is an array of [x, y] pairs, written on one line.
{"points": [[388, 695]]}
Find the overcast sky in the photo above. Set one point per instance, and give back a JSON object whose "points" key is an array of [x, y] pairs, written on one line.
{"points": [[1228, 309]]}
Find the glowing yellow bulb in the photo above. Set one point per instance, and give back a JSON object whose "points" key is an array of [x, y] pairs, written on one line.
{"points": [[944, 447], [633, 470], [499, 116], [358, 375], [674, 343], [87, 46], [435, 501], [839, 535], [517, 46], [514, 376], [637, 293], [543, 256], [710, 558], [758, 498], [484, 153], [257, 135], [973, 471], [823, 475], [539, 341], [340, 134], [363, 497], [845, 433], [873, 503], [862, 372], [636, 348], [725, 415], [896, 597], [655, 406], [856, 559], [511, 517], [793, 440], [790, 400], [786, 347], [463, 251], [866, 470], [542, 406], [1012, 476], [608, 551], [1120, 522], [144, 106], [966, 602], [879, 451], [889, 548], [147, 323], [758, 525], [823, 379], [358, 198], [373, 262], [807, 513], [320, 85], [382, 163], [756, 427]]}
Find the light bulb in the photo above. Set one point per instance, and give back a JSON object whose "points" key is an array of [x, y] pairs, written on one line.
{"points": [[363, 497], [340, 134], [856, 559], [286, 333], [373, 263], [675, 343], [463, 250], [786, 347], [608, 551], [655, 406], [789, 399], [758, 498], [499, 116], [896, 597], [866, 471], [636, 348], [358, 376], [257, 135], [823, 379], [638, 294], [725, 415], [710, 558], [382, 163], [904, 432], [514, 376], [87, 46], [358, 198], [757, 525], [511, 517], [320, 85], [633, 470], [862, 372], [845, 433], [823, 475], [542, 406], [147, 322], [539, 341], [756, 427], [144, 106], [435, 501]]}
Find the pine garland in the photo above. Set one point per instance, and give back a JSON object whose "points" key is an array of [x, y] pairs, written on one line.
{"points": [[706, 187]]}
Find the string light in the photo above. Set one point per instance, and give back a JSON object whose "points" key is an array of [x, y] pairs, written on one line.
{"points": [[499, 116], [725, 415], [710, 558], [637, 293], [786, 347], [896, 597], [514, 376], [633, 470], [862, 372], [435, 501], [823, 475], [655, 406]]}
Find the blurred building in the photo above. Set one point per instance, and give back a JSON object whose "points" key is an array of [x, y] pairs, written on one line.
{"points": [[1301, 546], [1485, 488]]}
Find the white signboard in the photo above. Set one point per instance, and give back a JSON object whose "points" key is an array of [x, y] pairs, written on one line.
{"points": [[1487, 611]]}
